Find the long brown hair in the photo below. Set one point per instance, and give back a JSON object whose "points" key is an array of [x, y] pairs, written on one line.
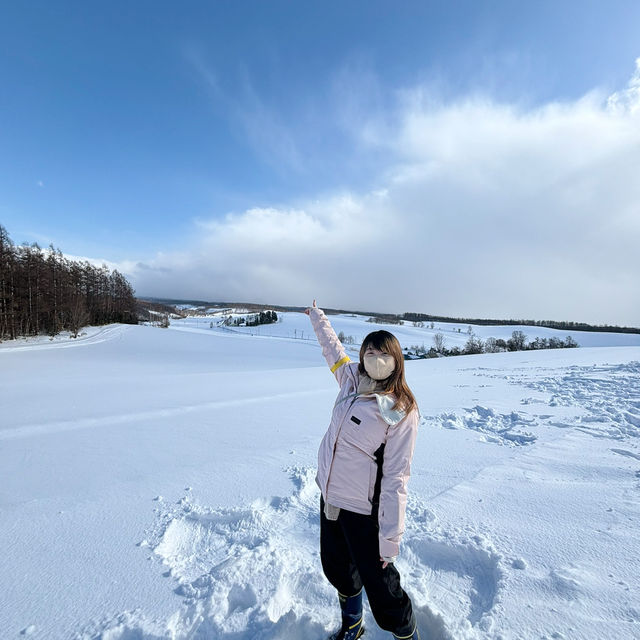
{"points": [[395, 383]]}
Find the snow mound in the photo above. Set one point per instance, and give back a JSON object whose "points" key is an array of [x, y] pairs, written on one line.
{"points": [[247, 568], [253, 572]]}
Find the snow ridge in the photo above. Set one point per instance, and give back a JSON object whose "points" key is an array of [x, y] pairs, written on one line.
{"points": [[87, 337]]}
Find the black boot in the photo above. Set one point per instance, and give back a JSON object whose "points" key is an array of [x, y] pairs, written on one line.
{"points": [[352, 626]]}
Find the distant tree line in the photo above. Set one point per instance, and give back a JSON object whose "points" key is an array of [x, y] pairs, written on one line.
{"points": [[264, 317], [253, 319], [386, 319], [42, 292], [551, 324], [474, 344]]}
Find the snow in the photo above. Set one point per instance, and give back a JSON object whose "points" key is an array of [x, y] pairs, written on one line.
{"points": [[297, 327], [158, 483]]}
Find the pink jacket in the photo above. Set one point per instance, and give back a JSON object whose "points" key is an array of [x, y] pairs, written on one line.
{"points": [[347, 465]]}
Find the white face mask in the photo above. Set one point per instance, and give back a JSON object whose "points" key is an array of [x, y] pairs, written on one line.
{"points": [[379, 367]]}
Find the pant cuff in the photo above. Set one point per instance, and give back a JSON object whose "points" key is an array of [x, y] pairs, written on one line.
{"points": [[397, 637]]}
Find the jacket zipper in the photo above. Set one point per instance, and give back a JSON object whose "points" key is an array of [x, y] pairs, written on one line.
{"points": [[333, 454]]}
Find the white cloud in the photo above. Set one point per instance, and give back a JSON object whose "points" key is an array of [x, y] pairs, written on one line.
{"points": [[125, 266], [627, 101], [483, 209]]}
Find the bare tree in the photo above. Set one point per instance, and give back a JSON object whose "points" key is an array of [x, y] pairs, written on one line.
{"points": [[517, 341], [570, 342], [474, 345], [79, 316]]}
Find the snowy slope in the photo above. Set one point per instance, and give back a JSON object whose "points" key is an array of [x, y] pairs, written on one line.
{"points": [[296, 325], [159, 484]]}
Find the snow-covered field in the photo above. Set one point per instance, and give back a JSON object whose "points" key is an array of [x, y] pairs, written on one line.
{"points": [[159, 484], [455, 334]]}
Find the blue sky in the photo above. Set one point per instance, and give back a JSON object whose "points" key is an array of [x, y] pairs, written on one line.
{"points": [[149, 134]]}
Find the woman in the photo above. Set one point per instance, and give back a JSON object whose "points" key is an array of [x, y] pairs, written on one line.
{"points": [[363, 468]]}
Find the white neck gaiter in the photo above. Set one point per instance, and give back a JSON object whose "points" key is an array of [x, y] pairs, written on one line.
{"points": [[379, 367]]}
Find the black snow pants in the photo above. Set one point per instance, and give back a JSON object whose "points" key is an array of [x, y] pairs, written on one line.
{"points": [[351, 560]]}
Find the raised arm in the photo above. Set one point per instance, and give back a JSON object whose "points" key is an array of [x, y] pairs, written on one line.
{"points": [[332, 348]]}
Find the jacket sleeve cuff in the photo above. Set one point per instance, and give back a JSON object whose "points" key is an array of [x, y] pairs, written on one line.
{"points": [[388, 549]]}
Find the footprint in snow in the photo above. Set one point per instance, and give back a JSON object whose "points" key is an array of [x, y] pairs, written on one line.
{"points": [[457, 573], [499, 428], [610, 394], [629, 454]]}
